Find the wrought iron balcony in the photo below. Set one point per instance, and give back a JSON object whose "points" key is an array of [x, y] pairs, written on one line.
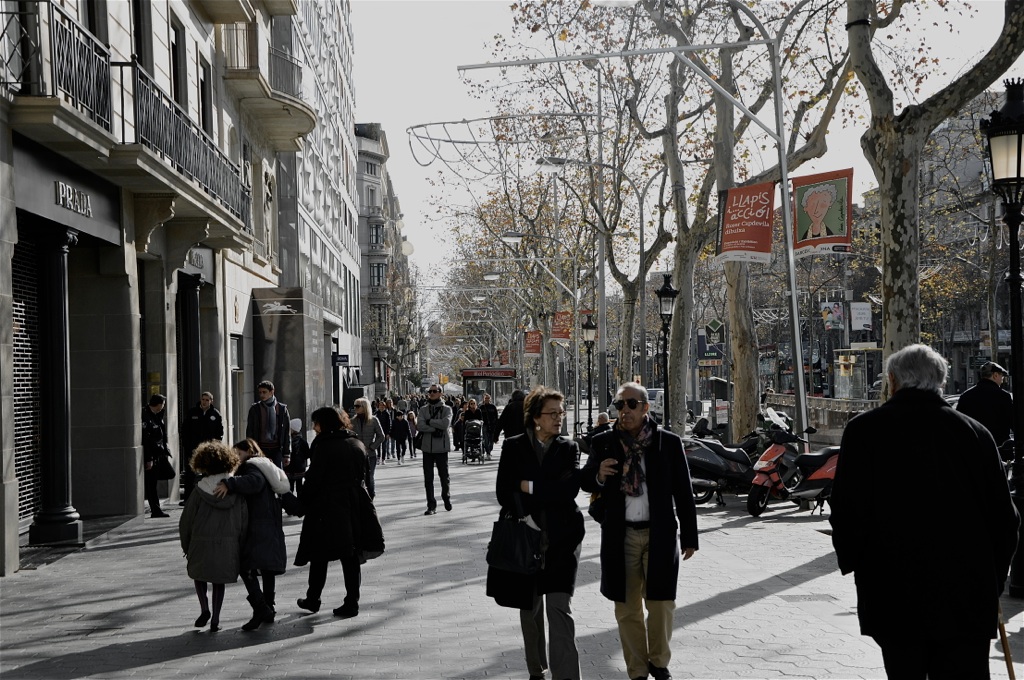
{"points": [[152, 119], [268, 84], [46, 54]]}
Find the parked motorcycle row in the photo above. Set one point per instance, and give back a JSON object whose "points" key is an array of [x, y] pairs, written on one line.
{"points": [[766, 464]]}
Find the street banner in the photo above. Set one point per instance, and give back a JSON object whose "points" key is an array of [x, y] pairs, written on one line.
{"points": [[531, 343], [822, 215], [860, 316], [561, 326], [832, 316], [504, 357], [745, 223]]}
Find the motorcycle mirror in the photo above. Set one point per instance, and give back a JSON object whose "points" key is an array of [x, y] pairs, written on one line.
{"points": [[810, 430]]}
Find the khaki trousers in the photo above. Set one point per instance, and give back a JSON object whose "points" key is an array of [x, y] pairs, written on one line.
{"points": [[642, 642]]}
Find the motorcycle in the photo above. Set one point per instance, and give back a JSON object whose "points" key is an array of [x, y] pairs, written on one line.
{"points": [[784, 473], [716, 467]]}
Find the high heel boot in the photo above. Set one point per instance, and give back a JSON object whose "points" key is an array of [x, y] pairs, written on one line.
{"points": [[261, 613]]}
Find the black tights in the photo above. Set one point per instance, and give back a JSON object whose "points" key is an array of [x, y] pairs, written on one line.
{"points": [[218, 600], [251, 579]]}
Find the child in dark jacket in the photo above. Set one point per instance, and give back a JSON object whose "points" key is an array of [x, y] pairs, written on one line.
{"points": [[400, 432]]}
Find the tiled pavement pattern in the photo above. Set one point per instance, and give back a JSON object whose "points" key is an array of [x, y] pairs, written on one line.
{"points": [[761, 599]]}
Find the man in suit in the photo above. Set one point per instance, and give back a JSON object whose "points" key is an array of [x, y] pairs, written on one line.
{"points": [[433, 420], [944, 565], [641, 472], [268, 424]]}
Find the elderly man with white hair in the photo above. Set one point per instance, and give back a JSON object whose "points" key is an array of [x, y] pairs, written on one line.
{"points": [[928, 582]]}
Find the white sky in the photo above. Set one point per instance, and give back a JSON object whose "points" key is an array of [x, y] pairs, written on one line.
{"points": [[408, 51]]}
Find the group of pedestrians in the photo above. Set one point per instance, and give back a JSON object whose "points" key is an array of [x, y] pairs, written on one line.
{"points": [[232, 527], [649, 521]]}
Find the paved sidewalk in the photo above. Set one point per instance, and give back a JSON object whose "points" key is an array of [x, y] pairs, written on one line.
{"points": [[761, 599]]}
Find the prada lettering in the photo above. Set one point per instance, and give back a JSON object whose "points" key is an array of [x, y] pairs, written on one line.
{"points": [[73, 199]]}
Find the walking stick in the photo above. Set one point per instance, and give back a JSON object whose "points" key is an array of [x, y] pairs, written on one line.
{"points": [[1006, 646]]}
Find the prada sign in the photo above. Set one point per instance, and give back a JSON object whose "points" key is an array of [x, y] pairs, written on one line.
{"points": [[73, 199]]}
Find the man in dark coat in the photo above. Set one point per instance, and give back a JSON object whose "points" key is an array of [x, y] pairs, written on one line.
{"points": [[511, 420], [641, 472], [433, 420], [928, 584], [268, 424], [988, 403], [202, 423], [154, 447], [490, 412]]}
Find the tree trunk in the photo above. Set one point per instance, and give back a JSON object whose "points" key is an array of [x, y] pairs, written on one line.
{"points": [[743, 349], [626, 334]]}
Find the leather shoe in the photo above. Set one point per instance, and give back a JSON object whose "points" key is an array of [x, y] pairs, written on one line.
{"points": [[658, 673], [203, 619], [430, 511], [309, 605], [447, 504], [347, 611]]}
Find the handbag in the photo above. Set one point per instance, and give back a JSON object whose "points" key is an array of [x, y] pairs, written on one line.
{"points": [[514, 544], [163, 469], [417, 441], [597, 508]]}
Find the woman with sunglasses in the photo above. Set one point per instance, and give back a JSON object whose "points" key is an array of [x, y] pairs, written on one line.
{"points": [[371, 434], [538, 476]]}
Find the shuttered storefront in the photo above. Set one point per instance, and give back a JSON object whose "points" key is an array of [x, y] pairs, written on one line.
{"points": [[27, 379]]}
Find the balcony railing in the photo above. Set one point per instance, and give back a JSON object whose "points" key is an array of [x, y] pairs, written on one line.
{"points": [[158, 123], [242, 53], [78, 64], [285, 73]]}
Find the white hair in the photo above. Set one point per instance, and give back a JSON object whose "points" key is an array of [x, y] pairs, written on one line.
{"points": [[919, 367]]}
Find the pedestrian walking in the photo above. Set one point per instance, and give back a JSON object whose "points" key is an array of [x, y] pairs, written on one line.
{"points": [[337, 523], [299, 456], [490, 413], [511, 419], [640, 470], [259, 481], [538, 474], [368, 429], [433, 420], [212, 530], [945, 566], [155, 453], [268, 424], [410, 418], [989, 404], [400, 435], [202, 423], [385, 417]]}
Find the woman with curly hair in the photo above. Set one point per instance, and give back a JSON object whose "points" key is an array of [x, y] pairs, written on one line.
{"points": [[259, 480], [340, 522], [212, 529]]}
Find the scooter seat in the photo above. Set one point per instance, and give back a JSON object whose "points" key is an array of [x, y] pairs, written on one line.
{"points": [[817, 459], [735, 455]]}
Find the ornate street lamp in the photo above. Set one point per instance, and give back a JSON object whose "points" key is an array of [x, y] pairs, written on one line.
{"points": [[666, 300], [589, 335], [1003, 133]]}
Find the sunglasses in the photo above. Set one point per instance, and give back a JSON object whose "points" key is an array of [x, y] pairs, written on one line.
{"points": [[631, 403], [433, 391]]}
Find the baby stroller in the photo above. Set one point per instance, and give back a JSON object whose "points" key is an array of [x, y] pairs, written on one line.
{"points": [[473, 441]]}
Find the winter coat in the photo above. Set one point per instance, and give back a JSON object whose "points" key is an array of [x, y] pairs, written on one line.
{"points": [[490, 412], [283, 437], [212, 532], [369, 433], [386, 418], [433, 420], [300, 456], [511, 421], [945, 565], [400, 430], [199, 427], [154, 435], [556, 483], [668, 484], [263, 547], [990, 405], [337, 521]]}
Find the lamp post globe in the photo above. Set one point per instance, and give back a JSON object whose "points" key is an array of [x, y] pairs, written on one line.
{"points": [[1004, 146], [666, 302]]}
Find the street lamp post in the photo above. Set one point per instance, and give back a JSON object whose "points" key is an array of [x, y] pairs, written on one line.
{"points": [[1004, 133], [589, 333], [666, 301]]}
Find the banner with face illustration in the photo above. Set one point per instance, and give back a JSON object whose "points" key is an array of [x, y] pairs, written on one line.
{"points": [[822, 218]]}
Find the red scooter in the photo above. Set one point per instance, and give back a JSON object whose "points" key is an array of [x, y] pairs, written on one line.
{"points": [[784, 473]]}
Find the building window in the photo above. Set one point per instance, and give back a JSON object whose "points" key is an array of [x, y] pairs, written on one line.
{"points": [[205, 96], [372, 169], [179, 65], [376, 234], [142, 27], [378, 272], [371, 197]]}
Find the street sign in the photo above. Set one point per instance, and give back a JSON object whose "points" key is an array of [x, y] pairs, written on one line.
{"points": [[339, 359], [709, 353], [715, 331]]}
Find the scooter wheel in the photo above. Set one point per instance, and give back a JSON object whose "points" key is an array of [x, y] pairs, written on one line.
{"points": [[757, 500], [703, 496]]}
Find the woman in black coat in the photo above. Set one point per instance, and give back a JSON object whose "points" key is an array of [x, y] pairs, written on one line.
{"points": [[538, 471], [337, 523], [259, 480]]}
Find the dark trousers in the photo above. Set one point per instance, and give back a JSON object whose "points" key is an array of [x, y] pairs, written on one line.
{"points": [[251, 579], [152, 497], [955, 659], [273, 453], [441, 461], [318, 579]]}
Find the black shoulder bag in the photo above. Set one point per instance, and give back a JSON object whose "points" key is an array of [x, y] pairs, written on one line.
{"points": [[514, 545]]}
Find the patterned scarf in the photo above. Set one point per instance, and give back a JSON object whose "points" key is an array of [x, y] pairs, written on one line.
{"points": [[633, 476]]}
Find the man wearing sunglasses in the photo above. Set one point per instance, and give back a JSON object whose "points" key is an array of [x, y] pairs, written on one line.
{"points": [[641, 473], [433, 420]]}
